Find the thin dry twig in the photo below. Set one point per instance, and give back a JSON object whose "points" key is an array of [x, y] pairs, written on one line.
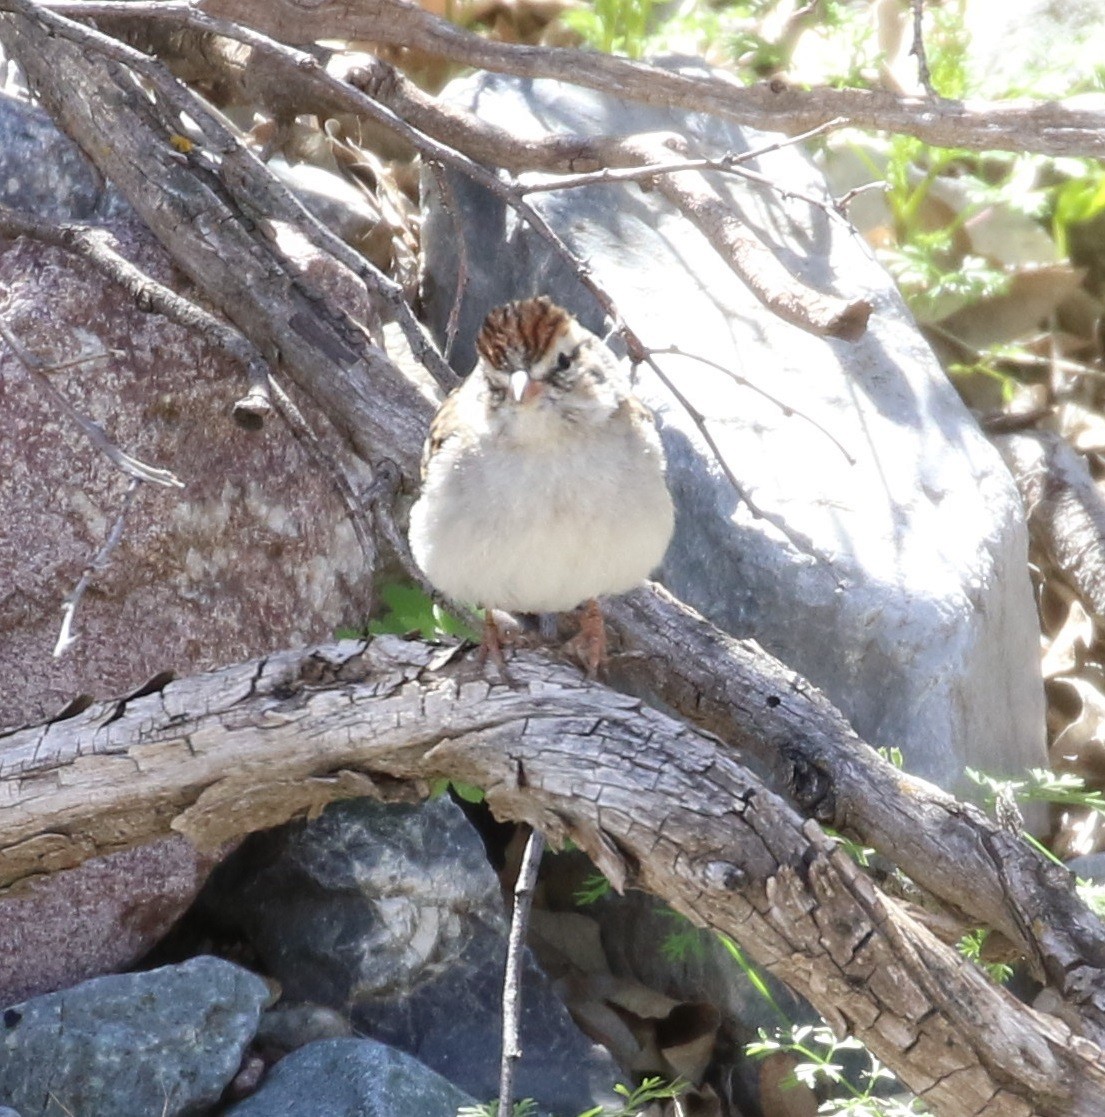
{"points": [[924, 75], [786, 408], [123, 461], [729, 163], [69, 607], [97, 246], [512, 979]]}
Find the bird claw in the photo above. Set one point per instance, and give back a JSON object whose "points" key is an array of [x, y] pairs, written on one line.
{"points": [[589, 646], [492, 648]]}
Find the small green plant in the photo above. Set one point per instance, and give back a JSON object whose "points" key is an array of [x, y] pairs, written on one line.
{"points": [[970, 946], [524, 1107], [650, 1090], [407, 608], [818, 1051], [1040, 785], [753, 975], [1078, 197], [593, 888], [469, 792], [636, 1098]]}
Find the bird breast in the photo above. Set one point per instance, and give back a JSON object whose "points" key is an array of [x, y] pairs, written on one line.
{"points": [[543, 528]]}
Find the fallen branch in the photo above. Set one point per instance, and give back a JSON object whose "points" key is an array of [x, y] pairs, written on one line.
{"points": [[804, 744], [655, 804], [240, 236], [1065, 509]]}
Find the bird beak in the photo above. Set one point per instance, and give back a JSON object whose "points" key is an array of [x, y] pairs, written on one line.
{"points": [[522, 388]]}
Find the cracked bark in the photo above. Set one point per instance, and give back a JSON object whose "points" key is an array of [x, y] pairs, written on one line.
{"points": [[656, 803]]}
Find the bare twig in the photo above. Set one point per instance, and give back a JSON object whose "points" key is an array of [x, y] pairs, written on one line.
{"points": [[69, 607], [730, 163], [786, 408], [96, 245], [449, 204], [512, 980], [847, 197], [918, 48], [131, 466]]}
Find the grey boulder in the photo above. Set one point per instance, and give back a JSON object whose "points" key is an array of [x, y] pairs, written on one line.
{"points": [[165, 1042], [352, 1078], [889, 563]]}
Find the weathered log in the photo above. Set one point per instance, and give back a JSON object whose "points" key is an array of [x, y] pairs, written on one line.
{"points": [[654, 802]]}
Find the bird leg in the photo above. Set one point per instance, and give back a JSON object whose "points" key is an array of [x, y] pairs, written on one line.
{"points": [[589, 647], [491, 646]]}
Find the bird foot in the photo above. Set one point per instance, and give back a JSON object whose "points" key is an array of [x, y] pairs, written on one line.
{"points": [[589, 646], [492, 646]]}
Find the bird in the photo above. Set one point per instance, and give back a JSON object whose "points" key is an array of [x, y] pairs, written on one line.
{"points": [[543, 479]]}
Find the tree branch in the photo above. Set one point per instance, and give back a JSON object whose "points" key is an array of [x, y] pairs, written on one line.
{"points": [[655, 804], [1049, 128], [238, 233], [801, 742]]}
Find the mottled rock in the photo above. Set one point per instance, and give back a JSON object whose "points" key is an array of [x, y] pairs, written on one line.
{"points": [[95, 918], [45, 173], [899, 585], [391, 914], [165, 1042], [352, 1078], [254, 553]]}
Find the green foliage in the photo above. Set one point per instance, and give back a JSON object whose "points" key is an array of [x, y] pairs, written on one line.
{"points": [[525, 1107], [409, 609], [970, 946], [636, 1098], [1040, 785], [593, 888], [650, 1090], [613, 26], [753, 975], [818, 1051], [1078, 198], [469, 792], [946, 46]]}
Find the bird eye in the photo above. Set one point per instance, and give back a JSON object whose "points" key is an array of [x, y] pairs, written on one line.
{"points": [[563, 362]]}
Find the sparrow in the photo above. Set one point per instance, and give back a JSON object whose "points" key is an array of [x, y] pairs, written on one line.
{"points": [[542, 478]]}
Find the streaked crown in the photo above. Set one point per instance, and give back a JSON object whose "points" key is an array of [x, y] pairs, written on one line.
{"points": [[519, 334]]}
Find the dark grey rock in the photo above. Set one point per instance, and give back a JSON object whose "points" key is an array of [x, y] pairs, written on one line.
{"points": [[352, 1078], [286, 1027], [44, 173], [902, 587], [392, 914], [165, 1042]]}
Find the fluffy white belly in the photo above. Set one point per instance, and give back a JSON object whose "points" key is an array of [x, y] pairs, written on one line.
{"points": [[521, 532]]}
